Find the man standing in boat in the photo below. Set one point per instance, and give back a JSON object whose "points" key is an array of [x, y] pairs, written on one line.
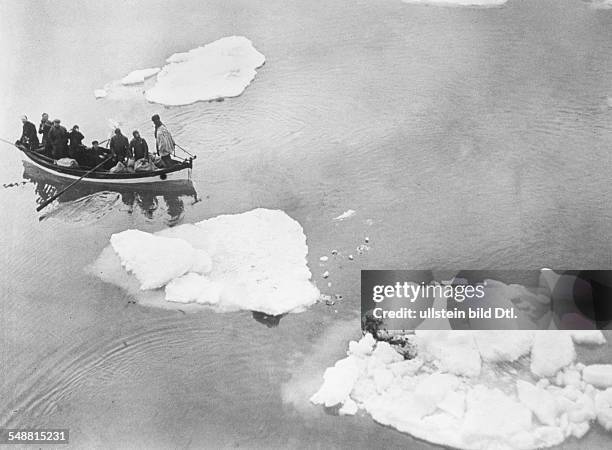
{"points": [[29, 138], [138, 146], [43, 128], [120, 147], [58, 138], [164, 142]]}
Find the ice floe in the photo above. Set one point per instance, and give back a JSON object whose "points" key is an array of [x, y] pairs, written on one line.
{"points": [[474, 389], [251, 261], [139, 76], [223, 68], [345, 215], [100, 93], [220, 69]]}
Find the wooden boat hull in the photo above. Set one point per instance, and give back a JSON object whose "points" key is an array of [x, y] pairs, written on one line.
{"points": [[181, 171]]}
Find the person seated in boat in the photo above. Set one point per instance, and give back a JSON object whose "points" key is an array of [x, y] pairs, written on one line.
{"points": [[138, 147], [94, 155], [58, 138], [43, 128], [119, 147], [76, 138], [28, 138], [164, 142]]}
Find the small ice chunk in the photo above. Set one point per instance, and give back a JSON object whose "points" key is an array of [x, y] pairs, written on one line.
{"points": [[323, 258], [503, 345], [349, 408], [540, 401], [100, 93], [338, 382], [455, 351], [603, 407], [325, 274], [139, 76], [385, 354], [599, 375], [363, 347], [345, 215], [588, 337], [552, 350]]}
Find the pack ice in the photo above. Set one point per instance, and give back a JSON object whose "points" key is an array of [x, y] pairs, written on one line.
{"points": [[475, 389], [251, 261]]}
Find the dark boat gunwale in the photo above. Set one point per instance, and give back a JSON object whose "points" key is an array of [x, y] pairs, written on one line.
{"points": [[78, 172]]}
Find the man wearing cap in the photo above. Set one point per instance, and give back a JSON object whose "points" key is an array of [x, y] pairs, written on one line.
{"points": [[163, 141], [44, 127], [29, 138], [58, 138]]}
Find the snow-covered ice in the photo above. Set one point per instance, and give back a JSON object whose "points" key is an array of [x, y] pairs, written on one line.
{"points": [[588, 337], [493, 402], [157, 260], [251, 261], [599, 375], [223, 68], [139, 76], [551, 351]]}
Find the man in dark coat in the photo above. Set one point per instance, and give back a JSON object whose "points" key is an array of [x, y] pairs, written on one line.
{"points": [[29, 138], [120, 147], [91, 157], [138, 146], [58, 138], [76, 139], [44, 127]]}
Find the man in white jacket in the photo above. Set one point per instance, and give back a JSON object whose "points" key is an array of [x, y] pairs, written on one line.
{"points": [[163, 141]]}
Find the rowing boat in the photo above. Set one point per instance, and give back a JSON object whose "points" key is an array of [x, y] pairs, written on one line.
{"points": [[176, 172]]}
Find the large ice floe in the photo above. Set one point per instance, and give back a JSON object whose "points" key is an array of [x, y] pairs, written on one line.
{"points": [[224, 68], [475, 389], [251, 261]]}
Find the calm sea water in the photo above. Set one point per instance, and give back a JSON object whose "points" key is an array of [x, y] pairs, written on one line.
{"points": [[472, 138]]}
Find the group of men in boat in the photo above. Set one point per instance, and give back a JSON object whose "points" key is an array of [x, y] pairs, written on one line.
{"points": [[122, 155]]}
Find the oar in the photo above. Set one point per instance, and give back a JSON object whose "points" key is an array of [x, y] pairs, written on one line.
{"points": [[8, 142], [50, 200], [192, 156]]}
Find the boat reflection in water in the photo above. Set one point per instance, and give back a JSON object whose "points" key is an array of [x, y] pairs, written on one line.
{"points": [[88, 202]]}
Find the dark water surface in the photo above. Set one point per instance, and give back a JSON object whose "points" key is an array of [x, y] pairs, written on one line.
{"points": [[469, 138]]}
